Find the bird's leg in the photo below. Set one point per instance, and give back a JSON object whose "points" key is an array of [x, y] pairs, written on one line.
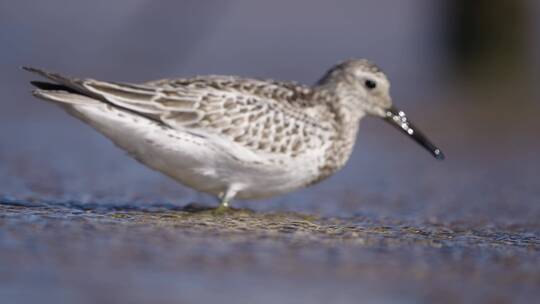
{"points": [[225, 197]]}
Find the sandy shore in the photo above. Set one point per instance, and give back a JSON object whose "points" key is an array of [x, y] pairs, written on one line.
{"points": [[65, 252]]}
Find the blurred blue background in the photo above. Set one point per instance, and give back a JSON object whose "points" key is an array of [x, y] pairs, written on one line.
{"points": [[466, 73]]}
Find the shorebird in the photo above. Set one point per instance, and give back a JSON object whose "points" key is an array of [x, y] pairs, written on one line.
{"points": [[235, 137]]}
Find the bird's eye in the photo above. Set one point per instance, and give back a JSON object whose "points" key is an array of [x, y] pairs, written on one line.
{"points": [[370, 84]]}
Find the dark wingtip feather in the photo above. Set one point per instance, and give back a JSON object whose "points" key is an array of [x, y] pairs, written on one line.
{"points": [[32, 69], [39, 72], [51, 86]]}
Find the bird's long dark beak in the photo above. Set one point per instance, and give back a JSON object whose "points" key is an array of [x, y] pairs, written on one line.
{"points": [[399, 120]]}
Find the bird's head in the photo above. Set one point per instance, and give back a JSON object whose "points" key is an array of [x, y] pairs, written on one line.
{"points": [[363, 89]]}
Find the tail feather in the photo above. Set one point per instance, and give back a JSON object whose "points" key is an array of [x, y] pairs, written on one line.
{"points": [[73, 83], [67, 91], [65, 97], [62, 89]]}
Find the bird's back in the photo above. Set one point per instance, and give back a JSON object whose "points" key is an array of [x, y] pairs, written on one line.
{"points": [[266, 129]]}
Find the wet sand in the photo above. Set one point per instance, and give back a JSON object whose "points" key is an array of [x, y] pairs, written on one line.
{"points": [[81, 222], [67, 252]]}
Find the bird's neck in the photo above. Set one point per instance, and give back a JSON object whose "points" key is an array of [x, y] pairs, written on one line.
{"points": [[338, 104], [346, 122]]}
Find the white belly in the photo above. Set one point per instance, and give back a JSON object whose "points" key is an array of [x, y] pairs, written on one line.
{"points": [[207, 165]]}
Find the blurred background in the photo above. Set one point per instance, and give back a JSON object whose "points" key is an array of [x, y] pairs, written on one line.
{"points": [[466, 72]]}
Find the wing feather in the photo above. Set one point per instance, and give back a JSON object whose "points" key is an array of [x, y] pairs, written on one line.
{"points": [[253, 113], [258, 115]]}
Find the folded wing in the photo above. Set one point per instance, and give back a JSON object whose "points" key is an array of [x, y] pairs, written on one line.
{"points": [[259, 115]]}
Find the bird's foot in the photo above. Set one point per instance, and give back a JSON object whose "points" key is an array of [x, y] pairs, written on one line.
{"points": [[223, 207]]}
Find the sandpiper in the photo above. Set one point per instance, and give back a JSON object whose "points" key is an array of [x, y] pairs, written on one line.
{"points": [[236, 137]]}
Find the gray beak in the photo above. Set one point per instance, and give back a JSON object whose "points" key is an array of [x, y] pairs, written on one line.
{"points": [[399, 120]]}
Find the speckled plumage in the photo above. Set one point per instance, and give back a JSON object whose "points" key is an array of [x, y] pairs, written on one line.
{"points": [[226, 135]]}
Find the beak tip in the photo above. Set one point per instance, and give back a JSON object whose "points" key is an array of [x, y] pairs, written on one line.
{"points": [[438, 154], [399, 120]]}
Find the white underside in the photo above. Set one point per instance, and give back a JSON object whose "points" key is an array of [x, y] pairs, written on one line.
{"points": [[210, 165]]}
